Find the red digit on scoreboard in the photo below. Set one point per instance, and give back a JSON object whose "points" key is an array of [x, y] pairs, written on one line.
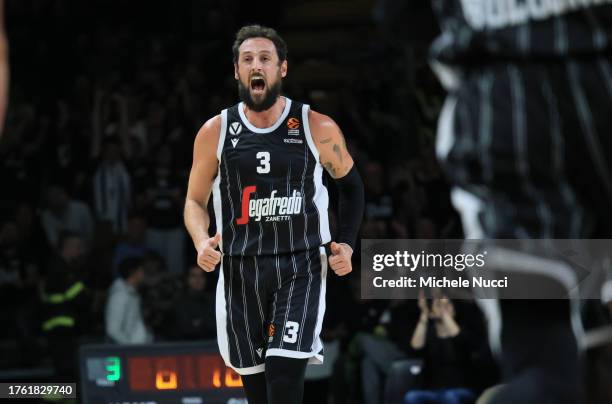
{"points": [[140, 371]]}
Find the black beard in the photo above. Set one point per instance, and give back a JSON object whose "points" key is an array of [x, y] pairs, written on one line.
{"points": [[268, 100]]}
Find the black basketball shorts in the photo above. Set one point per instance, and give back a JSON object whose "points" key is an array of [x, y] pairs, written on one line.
{"points": [[271, 305]]}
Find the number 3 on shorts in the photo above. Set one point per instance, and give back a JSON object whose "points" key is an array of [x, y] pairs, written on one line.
{"points": [[291, 332]]}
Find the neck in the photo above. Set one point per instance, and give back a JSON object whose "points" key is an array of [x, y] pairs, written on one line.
{"points": [[267, 118]]}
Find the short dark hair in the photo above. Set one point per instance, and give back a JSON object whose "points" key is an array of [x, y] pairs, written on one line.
{"points": [[258, 31], [129, 266]]}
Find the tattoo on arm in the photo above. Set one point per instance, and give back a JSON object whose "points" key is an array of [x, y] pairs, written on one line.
{"points": [[330, 169], [338, 152], [324, 141]]}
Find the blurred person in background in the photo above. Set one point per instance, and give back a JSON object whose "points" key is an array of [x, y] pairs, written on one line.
{"points": [[382, 342], [19, 276], [124, 323], [66, 303], [526, 121], [112, 187], [65, 214], [194, 312], [163, 198], [133, 242], [445, 348]]}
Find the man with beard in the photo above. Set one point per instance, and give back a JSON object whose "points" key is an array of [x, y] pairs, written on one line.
{"points": [[263, 161]]}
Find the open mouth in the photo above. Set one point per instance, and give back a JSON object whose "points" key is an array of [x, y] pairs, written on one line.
{"points": [[258, 84]]}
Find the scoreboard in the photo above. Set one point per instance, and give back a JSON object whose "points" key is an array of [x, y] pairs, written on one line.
{"points": [[178, 373]]}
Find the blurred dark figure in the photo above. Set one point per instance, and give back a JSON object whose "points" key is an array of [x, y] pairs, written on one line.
{"points": [[383, 340], [133, 242], [67, 303], [163, 207], [159, 297], [124, 322], [112, 187], [444, 345], [195, 310], [18, 297], [65, 214], [379, 203]]}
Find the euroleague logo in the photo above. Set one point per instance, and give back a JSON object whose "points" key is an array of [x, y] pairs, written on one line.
{"points": [[293, 126], [293, 123], [271, 209]]}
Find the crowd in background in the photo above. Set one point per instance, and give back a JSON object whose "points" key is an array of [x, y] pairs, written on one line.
{"points": [[106, 99]]}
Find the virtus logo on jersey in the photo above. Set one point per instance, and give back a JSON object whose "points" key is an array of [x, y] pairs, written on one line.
{"points": [[272, 209]]}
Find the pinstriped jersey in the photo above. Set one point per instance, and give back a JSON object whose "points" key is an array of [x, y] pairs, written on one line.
{"points": [[268, 194], [502, 29]]}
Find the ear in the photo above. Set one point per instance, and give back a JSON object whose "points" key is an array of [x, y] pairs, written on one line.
{"points": [[284, 68], [236, 71]]}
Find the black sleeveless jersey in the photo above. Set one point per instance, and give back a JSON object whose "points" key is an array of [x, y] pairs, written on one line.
{"points": [[268, 195], [475, 31]]}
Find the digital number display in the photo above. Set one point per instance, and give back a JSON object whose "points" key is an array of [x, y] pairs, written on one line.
{"points": [[157, 374], [180, 372]]}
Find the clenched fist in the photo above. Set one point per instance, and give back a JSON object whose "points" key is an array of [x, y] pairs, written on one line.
{"points": [[208, 256], [340, 260]]}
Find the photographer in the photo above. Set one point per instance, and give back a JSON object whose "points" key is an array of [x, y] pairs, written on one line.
{"points": [[440, 340]]}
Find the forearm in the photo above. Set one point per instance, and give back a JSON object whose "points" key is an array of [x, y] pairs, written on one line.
{"points": [[452, 328], [197, 221], [350, 206], [420, 333]]}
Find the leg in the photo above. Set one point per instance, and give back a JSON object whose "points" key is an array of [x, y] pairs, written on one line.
{"points": [[240, 325], [285, 379], [297, 314], [378, 354], [370, 380], [255, 388]]}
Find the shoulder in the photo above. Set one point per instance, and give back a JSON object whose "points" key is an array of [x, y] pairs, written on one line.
{"points": [[208, 136], [321, 125], [210, 129]]}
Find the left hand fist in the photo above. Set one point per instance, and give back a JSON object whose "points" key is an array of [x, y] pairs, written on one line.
{"points": [[340, 260]]}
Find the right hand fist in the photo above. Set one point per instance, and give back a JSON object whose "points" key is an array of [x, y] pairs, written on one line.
{"points": [[208, 256]]}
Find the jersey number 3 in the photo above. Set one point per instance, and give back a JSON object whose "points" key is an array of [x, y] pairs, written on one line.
{"points": [[291, 332], [264, 162]]}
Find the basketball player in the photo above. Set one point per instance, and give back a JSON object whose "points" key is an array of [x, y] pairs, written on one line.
{"points": [[525, 137], [263, 161]]}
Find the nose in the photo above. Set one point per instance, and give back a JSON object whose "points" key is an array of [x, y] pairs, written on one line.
{"points": [[257, 66]]}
